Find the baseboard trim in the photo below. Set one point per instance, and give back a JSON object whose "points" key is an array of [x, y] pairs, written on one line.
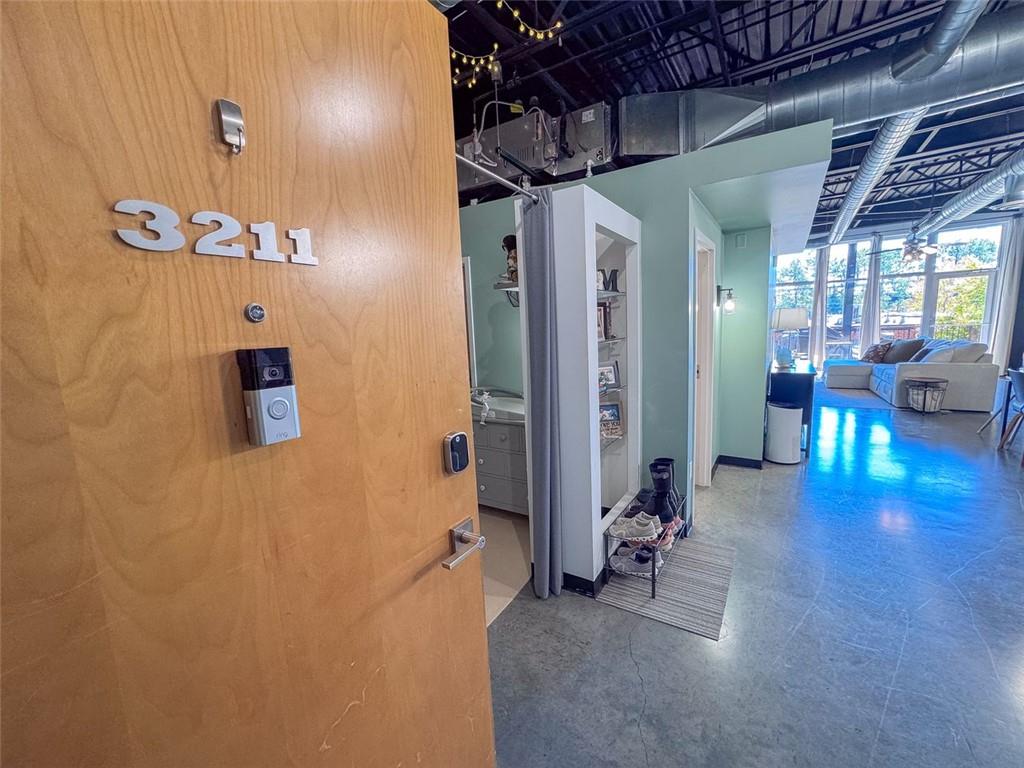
{"points": [[738, 461], [582, 586]]}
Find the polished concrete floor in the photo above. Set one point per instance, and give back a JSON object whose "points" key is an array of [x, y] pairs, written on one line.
{"points": [[875, 618]]}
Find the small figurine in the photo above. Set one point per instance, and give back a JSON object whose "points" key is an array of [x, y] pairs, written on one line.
{"points": [[508, 243]]}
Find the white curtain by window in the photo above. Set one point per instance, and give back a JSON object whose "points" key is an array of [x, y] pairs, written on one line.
{"points": [[816, 345], [1007, 284], [871, 310]]}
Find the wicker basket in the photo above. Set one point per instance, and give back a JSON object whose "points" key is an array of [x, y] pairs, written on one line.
{"points": [[925, 395]]}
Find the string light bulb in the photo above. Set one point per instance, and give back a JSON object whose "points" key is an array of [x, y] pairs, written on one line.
{"points": [[524, 28], [454, 54], [465, 60]]}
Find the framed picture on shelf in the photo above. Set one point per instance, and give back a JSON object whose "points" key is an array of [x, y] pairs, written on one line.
{"points": [[604, 320], [611, 420], [608, 375]]}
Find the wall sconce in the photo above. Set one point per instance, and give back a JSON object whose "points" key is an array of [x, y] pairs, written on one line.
{"points": [[729, 305]]}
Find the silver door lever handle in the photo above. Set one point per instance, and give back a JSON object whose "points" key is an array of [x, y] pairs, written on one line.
{"points": [[464, 543]]}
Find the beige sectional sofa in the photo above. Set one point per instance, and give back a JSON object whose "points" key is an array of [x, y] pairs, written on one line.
{"points": [[967, 366]]}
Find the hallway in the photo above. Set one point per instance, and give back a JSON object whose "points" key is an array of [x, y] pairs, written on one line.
{"points": [[875, 619]]}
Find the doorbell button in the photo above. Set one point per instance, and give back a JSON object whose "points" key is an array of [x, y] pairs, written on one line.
{"points": [[278, 408], [268, 393]]}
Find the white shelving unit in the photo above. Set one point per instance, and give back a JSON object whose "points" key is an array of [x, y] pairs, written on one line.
{"points": [[599, 476]]}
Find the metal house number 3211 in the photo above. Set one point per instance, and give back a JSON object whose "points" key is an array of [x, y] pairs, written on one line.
{"points": [[164, 225]]}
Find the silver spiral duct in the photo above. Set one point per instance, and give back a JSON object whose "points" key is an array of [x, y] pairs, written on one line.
{"points": [[883, 150], [856, 93], [978, 195], [862, 89], [948, 32], [950, 29], [1013, 197]]}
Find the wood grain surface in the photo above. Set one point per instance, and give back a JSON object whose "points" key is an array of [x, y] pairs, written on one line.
{"points": [[171, 596]]}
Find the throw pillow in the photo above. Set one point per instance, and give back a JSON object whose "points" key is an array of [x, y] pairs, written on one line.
{"points": [[940, 355], [876, 352], [969, 352], [901, 351]]}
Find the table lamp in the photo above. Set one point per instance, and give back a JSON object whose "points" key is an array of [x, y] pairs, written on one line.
{"points": [[788, 319]]}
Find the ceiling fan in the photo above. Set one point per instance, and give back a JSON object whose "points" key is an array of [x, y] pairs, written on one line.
{"points": [[914, 249]]}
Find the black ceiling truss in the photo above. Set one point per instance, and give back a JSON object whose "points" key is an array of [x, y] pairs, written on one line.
{"points": [[611, 49]]}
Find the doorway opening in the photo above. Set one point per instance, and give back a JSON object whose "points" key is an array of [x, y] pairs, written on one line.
{"points": [[704, 361], [498, 407]]}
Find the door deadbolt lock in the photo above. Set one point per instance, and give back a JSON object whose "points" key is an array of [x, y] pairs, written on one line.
{"points": [[456, 452]]}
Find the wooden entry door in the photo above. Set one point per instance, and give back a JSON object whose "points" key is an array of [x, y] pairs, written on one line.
{"points": [[171, 595]]}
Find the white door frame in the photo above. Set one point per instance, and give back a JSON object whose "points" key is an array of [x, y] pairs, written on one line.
{"points": [[467, 288], [704, 368]]}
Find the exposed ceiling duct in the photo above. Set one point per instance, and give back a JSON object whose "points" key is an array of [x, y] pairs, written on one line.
{"points": [[982, 192], [888, 142], [1013, 197], [858, 91], [927, 58], [863, 89]]}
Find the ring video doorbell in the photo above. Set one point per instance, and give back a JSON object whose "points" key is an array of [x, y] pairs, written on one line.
{"points": [[268, 390]]}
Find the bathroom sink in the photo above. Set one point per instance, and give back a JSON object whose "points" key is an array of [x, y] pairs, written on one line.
{"points": [[506, 409]]}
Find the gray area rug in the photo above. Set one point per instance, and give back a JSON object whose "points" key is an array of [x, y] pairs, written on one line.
{"points": [[693, 586]]}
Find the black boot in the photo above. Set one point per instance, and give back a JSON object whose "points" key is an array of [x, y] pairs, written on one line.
{"points": [[661, 503], [670, 464]]}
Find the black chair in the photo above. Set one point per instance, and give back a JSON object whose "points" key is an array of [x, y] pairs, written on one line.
{"points": [[1016, 408]]}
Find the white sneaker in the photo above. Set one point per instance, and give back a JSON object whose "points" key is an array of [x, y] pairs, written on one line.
{"points": [[635, 565], [643, 527]]}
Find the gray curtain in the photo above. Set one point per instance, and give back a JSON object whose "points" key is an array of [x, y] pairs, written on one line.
{"points": [[538, 266], [819, 329], [871, 308], [1011, 262]]}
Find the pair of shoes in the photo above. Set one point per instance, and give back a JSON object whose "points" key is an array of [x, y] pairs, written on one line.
{"points": [[643, 527], [638, 562]]}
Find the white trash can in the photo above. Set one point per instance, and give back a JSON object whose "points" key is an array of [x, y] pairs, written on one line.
{"points": [[784, 434]]}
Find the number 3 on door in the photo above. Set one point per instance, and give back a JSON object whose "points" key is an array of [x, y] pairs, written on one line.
{"points": [[164, 223]]}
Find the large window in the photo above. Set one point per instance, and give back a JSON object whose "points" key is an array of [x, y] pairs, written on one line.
{"points": [[794, 289], [901, 293], [965, 272], [847, 275], [945, 295]]}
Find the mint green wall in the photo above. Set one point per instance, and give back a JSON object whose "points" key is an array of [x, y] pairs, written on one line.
{"points": [[744, 339], [499, 356], [659, 194]]}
